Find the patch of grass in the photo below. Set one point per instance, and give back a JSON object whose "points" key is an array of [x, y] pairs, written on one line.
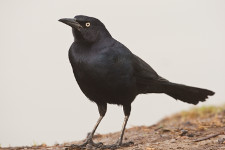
{"points": [[202, 116], [202, 112]]}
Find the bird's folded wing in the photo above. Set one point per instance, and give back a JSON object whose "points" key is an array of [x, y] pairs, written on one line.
{"points": [[147, 80], [142, 70]]}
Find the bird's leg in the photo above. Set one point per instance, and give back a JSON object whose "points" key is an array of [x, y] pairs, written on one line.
{"points": [[89, 139], [119, 143], [102, 110]]}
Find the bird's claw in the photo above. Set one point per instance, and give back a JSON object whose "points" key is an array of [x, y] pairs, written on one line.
{"points": [[100, 145], [97, 145], [127, 144], [88, 143]]}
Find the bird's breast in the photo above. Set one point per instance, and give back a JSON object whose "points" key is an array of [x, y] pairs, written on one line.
{"points": [[102, 72]]}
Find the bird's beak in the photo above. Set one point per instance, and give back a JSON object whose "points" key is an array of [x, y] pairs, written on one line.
{"points": [[71, 22]]}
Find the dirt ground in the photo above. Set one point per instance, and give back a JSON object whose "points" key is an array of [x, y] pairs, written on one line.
{"points": [[197, 129]]}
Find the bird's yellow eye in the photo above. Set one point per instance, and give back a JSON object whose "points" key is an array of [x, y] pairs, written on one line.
{"points": [[88, 24]]}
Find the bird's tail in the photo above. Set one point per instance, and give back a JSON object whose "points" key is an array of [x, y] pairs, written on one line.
{"points": [[187, 94]]}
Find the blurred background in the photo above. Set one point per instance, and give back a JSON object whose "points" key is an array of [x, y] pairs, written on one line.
{"points": [[40, 101]]}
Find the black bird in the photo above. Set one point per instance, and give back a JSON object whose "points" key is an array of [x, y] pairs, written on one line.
{"points": [[107, 72]]}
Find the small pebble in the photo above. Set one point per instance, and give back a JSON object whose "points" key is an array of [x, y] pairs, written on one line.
{"points": [[221, 140], [191, 135], [183, 132], [173, 141]]}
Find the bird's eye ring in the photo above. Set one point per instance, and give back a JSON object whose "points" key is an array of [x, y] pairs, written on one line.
{"points": [[88, 24]]}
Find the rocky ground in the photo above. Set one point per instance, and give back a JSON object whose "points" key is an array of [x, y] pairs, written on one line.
{"points": [[197, 129]]}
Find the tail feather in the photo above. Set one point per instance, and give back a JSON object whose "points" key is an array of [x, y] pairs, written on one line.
{"points": [[187, 94]]}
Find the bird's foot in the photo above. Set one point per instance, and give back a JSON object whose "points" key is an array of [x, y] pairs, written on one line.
{"points": [[117, 145], [88, 143]]}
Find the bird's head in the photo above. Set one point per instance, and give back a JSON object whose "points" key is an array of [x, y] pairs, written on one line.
{"points": [[86, 29]]}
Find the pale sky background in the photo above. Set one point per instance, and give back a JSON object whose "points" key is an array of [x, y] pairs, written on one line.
{"points": [[40, 101]]}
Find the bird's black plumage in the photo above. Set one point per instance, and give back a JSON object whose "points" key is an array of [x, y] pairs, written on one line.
{"points": [[109, 73]]}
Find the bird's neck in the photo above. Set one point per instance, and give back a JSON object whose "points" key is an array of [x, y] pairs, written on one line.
{"points": [[105, 34]]}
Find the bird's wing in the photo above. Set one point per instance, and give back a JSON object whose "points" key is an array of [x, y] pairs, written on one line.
{"points": [[142, 70], [147, 79]]}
